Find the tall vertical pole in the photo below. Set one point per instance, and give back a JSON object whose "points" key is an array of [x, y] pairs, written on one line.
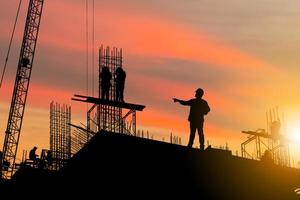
{"points": [[134, 122]]}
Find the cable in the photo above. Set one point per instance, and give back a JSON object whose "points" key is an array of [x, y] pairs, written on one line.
{"points": [[93, 47], [87, 48], [10, 42]]}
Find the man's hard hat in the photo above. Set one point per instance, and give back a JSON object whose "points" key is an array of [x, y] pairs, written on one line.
{"points": [[200, 91]]}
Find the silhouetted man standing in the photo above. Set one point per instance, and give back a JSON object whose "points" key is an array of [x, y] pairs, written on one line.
{"points": [[105, 77], [120, 84], [199, 108]]}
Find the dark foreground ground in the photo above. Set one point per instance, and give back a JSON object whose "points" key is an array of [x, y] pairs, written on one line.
{"points": [[114, 166]]}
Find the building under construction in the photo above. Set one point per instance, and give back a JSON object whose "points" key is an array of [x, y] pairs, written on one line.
{"points": [[106, 158], [60, 134]]}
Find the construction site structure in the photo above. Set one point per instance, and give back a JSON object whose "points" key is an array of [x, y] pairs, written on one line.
{"points": [[60, 134], [79, 137], [114, 123], [268, 143], [110, 114], [17, 108]]}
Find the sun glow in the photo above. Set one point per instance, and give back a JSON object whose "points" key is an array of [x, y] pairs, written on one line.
{"points": [[293, 131]]}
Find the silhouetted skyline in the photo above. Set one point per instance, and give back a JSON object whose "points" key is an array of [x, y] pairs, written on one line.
{"points": [[242, 53]]}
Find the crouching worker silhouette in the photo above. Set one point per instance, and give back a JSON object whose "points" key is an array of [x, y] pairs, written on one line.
{"points": [[33, 156], [199, 108], [49, 158]]}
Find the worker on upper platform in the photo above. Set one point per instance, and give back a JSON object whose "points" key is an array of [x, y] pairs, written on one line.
{"points": [[120, 77], [199, 108], [105, 77]]}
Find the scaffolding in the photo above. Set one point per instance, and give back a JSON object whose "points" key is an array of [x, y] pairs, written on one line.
{"points": [[60, 134], [79, 137], [110, 114], [270, 141], [78, 140], [125, 124], [109, 117]]}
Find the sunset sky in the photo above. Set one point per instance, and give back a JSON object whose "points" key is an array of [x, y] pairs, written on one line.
{"points": [[244, 54]]}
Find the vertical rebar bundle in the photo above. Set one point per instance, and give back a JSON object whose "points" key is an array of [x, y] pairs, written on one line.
{"points": [[110, 117], [110, 112], [60, 134]]}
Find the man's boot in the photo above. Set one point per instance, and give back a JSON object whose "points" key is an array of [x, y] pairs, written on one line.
{"points": [[202, 147]]}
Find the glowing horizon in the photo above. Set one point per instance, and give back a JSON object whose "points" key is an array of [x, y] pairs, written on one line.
{"points": [[170, 50]]}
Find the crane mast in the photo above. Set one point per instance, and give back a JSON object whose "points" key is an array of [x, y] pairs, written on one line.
{"points": [[17, 108]]}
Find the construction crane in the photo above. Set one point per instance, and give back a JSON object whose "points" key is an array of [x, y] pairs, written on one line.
{"points": [[17, 108]]}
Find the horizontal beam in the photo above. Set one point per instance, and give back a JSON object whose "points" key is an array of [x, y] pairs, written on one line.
{"points": [[260, 134], [266, 135], [98, 101], [83, 129]]}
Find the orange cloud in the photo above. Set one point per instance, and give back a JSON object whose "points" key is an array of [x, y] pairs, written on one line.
{"points": [[147, 36], [141, 35], [180, 125], [40, 96], [165, 90]]}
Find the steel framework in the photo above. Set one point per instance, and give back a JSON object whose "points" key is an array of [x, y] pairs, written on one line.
{"points": [[109, 117], [271, 141], [105, 116], [60, 134], [278, 147], [79, 137], [17, 108], [78, 140], [128, 125], [109, 114]]}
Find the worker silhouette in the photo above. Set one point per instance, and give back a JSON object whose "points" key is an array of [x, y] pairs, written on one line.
{"points": [[25, 62], [267, 157], [49, 158], [199, 108], [105, 77], [120, 77], [33, 156]]}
